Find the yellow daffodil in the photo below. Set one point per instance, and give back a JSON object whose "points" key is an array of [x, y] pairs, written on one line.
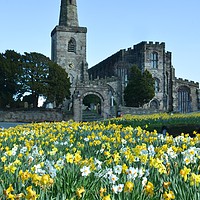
{"points": [[128, 187], [168, 195], [149, 188], [184, 172]]}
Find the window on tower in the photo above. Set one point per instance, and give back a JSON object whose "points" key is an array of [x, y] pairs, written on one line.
{"points": [[157, 85], [72, 45], [154, 60]]}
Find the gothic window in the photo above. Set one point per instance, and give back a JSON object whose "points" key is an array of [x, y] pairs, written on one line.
{"points": [[70, 1], [157, 85], [184, 101], [72, 45], [154, 60]]}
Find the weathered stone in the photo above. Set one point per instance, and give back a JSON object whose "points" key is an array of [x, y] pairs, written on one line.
{"points": [[109, 78]]}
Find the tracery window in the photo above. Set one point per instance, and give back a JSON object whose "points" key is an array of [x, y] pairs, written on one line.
{"points": [[184, 101], [154, 60], [72, 45]]}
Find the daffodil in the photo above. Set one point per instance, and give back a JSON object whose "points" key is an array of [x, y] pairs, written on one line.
{"points": [[128, 187], [184, 172], [31, 194], [168, 195], [80, 191], [149, 188], [85, 171]]}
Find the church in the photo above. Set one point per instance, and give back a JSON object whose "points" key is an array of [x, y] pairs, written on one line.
{"points": [[108, 79]]}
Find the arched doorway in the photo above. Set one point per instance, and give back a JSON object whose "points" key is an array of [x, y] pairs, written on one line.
{"points": [[184, 100], [92, 102], [91, 98], [154, 104], [92, 106]]}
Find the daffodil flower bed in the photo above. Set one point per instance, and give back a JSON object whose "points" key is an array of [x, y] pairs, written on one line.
{"points": [[159, 118], [157, 121], [94, 161]]}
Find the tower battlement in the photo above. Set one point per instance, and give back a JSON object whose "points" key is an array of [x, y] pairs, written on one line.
{"points": [[186, 81]]}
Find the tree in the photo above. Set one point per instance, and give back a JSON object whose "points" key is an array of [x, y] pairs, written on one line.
{"points": [[9, 70], [41, 76], [31, 74], [148, 86], [140, 88], [58, 84], [35, 67]]}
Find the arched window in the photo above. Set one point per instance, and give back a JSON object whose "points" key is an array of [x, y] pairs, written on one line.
{"points": [[154, 60], [72, 45], [157, 85], [184, 101]]}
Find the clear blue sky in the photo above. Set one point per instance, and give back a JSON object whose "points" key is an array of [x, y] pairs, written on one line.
{"points": [[112, 25]]}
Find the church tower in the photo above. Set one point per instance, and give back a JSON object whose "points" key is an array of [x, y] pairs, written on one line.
{"points": [[68, 42]]}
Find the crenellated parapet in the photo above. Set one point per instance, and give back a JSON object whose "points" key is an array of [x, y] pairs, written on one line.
{"points": [[187, 82]]}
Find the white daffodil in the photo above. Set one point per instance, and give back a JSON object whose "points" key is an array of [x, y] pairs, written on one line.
{"points": [[85, 171], [118, 169]]}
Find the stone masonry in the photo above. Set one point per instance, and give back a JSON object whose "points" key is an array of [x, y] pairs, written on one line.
{"points": [[108, 79]]}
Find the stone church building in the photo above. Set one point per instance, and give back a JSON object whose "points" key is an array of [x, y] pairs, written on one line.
{"points": [[108, 79]]}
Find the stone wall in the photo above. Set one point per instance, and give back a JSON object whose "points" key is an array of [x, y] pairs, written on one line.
{"points": [[137, 111], [34, 116]]}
